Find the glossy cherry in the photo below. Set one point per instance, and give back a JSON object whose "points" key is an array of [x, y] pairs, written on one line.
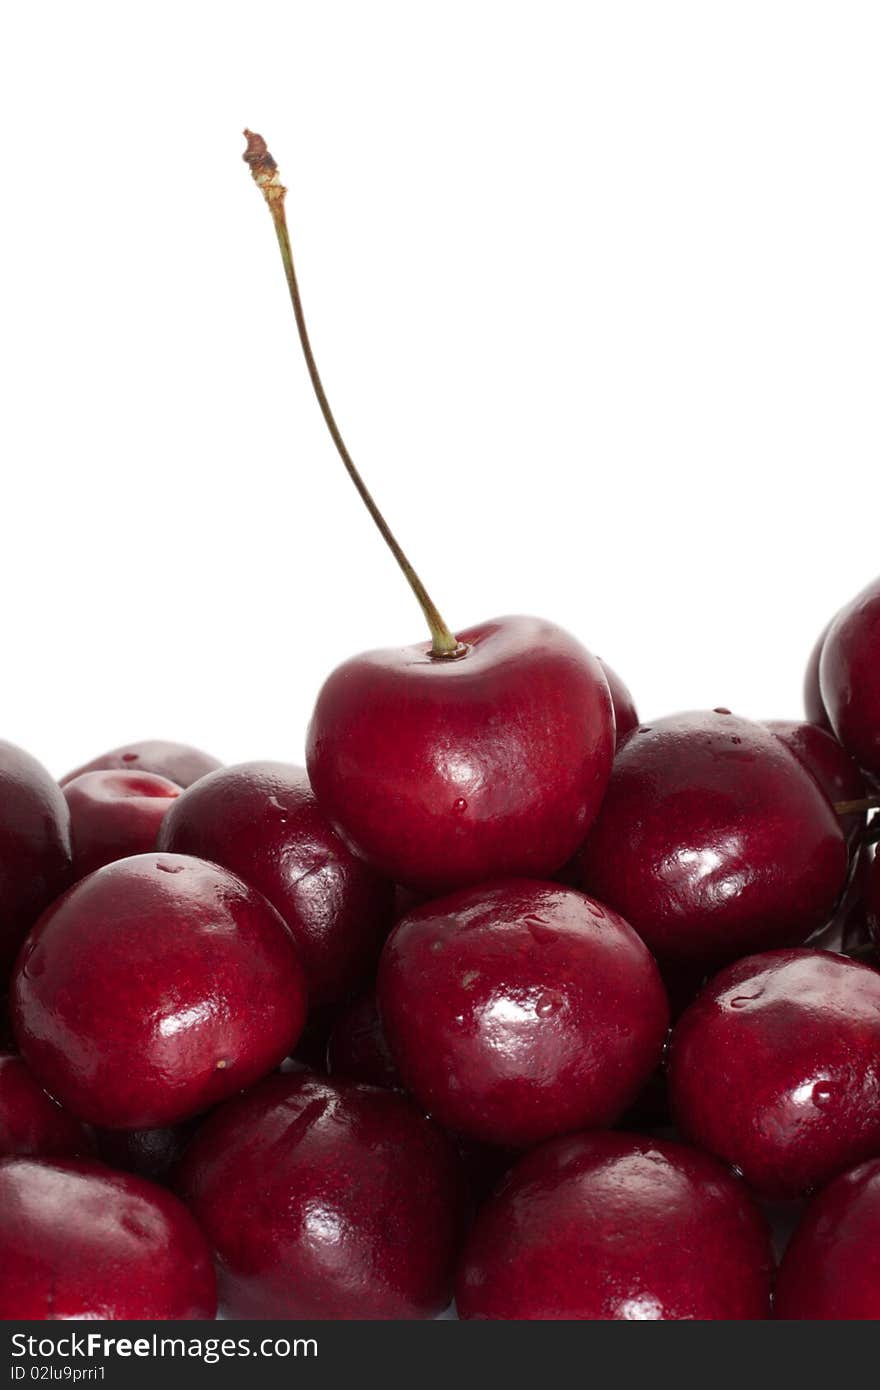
{"points": [[326, 1200], [625, 716], [519, 1010], [357, 1048], [849, 677], [714, 840], [35, 853], [617, 1227], [80, 1242], [775, 1068], [155, 988], [814, 705], [114, 815], [261, 820], [177, 761], [31, 1123], [831, 1267]]}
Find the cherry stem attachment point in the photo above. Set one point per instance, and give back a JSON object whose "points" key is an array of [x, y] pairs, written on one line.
{"points": [[444, 644]]}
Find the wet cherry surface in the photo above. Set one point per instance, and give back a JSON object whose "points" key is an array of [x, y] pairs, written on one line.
{"points": [[776, 1068], [831, 1268], [35, 853], [79, 1241], [325, 1199], [849, 677], [616, 1226], [115, 814], [449, 773], [261, 820], [155, 988], [31, 1123], [713, 840], [519, 1010]]}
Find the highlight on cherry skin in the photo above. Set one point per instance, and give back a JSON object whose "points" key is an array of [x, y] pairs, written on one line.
{"points": [[506, 1002]]}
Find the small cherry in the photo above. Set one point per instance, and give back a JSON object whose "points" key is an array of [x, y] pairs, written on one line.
{"points": [[849, 677], [155, 988], [599, 1227], [114, 815], [80, 1242], [327, 1200], [625, 715], [261, 820], [775, 1068], [35, 853], [177, 761], [519, 1010], [31, 1123], [480, 754], [831, 1267], [714, 840]]}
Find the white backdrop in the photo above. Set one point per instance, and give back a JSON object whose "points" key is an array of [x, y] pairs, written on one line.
{"points": [[595, 289]]}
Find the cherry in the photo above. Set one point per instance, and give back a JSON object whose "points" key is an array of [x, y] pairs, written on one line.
{"points": [[617, 1227], [325, 1199], [831, 1268], [475, 755], [114, 815], [836, 772], [625, 717], [714, 840], [176, 761], [519, 1010], [151, 1153], [261, 820], [814, 705], [30, 1121], [849, 677], [775, 1068], [357, 1048], [77, 1241], [35, 853], [155, 988]]}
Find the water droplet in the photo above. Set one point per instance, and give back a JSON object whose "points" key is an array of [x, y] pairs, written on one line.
{"points": [[734, 739], [541, 934], [166, 868], [548, 1003], [645, 729], [823, 1094], [742, 1001], [277, 806], [459, 805], [469, 979], [130, 757], [720, 709]]}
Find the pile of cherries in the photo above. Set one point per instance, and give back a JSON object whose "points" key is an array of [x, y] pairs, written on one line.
{"points": [[507, 998]]}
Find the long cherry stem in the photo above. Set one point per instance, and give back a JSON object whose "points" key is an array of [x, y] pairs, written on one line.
{"points": [[444, 644], [856, 808]]}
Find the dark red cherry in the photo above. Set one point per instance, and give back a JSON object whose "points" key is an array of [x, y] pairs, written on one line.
{"points": [[35, 854], [775, 1068], [520, 1009], [114, 815], [617, 1227], [836, 772], [831, 1268], [445, 773], [625, 717], [31, 1123], [326, 1200], [714, 840], [151, 1153], [814, 705], [155, 988], [176, 761], [261, 820], [357, 1048], [80, 1242], [849, 677]]}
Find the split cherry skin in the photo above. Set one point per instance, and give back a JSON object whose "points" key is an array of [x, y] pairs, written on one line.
{"points": [[326, 1200], [831, 1266], [80, 1242], [617, 1227], [35, 852], [261, 820], [714, 840], [849, 677], [775, 1068], [520, 1010], [114, 815], [155, 988]]}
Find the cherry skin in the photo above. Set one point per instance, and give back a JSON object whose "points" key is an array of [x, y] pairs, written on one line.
{"points": [[31, 1123], [325, 1199], [446, 773], [831, 1267], [35, 853], [625, 716], [114, 815], [177, 761], [814, 705], [849, 677], [836, 772], [519, 1010], [154, 989], [261, 820], [714, 840], [357, 1048], [617, 1227], [775, 1068], [77, 1241]]}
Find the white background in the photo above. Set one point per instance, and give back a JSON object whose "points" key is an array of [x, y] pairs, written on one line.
{"points": [[595, 288]]}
